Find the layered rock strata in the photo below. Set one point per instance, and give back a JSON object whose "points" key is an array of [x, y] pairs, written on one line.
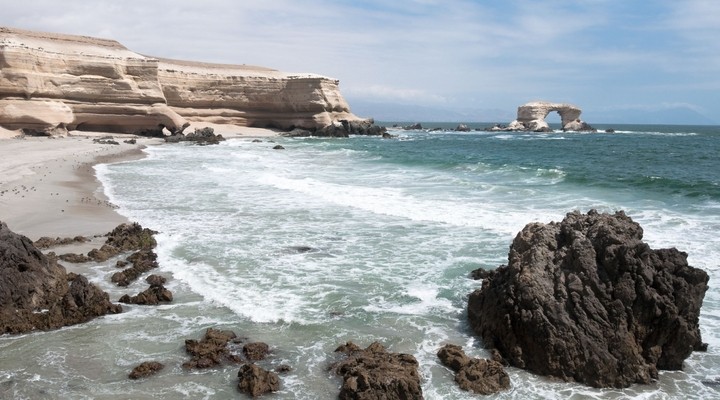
{"points": [[587, 300], [36, 293], [531, 117], [53, 83], [56, 82]]}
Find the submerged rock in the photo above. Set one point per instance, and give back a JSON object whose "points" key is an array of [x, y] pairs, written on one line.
{"points": [[36, 293], [256, 351], [587, 300], [375, 373], [148, 368]]}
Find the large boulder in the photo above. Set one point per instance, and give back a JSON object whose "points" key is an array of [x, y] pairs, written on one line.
{"points": [[375, 373], [36, 293], [257, 381], [587, 300]]}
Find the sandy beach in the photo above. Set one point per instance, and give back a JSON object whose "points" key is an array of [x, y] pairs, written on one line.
{"points": [[48, 185]]}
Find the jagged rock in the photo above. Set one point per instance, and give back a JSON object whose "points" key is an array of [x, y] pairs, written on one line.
{"points": [[47, 242], [202, 136], [256, 351], [212, 350], [346, 127], [474, 374], [153, 296], [125, 237], [296, 132], [74, 258], [278, 147], [256, 381], [155, 280], [578, 126], [587, 300], [142, 261], [462, 128], [375, 373], [413, 127], [148, 368], [37, 294]]}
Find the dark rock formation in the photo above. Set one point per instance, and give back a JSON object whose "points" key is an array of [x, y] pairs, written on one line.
{"points": [[474, 375], [296, 132], [146, 369], [212, 350], [155, 280], [37, 294], [256, 351], [153, 296], [47, 242], [125, 237], [345, 128], [142, 261], [586, 300], [374, 373], [74, 258], [278, 147], [413, 127], [202, 136], [256, 381], [462, 128]]}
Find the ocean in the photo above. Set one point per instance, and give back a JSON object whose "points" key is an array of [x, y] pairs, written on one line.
{"points": [[367, 239]]}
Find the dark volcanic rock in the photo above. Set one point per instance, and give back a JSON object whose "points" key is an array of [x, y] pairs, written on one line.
{"points": [[125, 237], [374, 373], [212, 350], [47, 242], [37, 293], [74, 258], [256, 351], [146, 369], [142, 261], [202, 136], [586, 300], [256, 381], [474, 375], [155, 280], [153, 295], [345, 128]]}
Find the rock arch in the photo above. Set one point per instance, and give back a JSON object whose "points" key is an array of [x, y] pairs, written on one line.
{"points": [[531, 117]]}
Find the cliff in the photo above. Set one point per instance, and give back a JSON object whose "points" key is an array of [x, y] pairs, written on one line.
{"points": [[51, 82]]}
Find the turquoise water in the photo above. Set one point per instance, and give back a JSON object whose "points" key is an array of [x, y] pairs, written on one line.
{"points": [[368, 239]]}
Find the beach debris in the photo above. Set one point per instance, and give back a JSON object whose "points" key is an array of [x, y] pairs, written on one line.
{"points": [[36, 293], [148, 368], [257, 381], [587, 300], [375, 373], [475, 375]]}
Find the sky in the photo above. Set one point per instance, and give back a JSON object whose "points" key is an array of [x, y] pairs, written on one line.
{"points": [[609, 57]]}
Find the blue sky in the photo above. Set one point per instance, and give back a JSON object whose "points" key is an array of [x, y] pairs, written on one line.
{"points": [[602, 55]]}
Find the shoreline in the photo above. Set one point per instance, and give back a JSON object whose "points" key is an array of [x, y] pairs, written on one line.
{"points": [[48, 185]]}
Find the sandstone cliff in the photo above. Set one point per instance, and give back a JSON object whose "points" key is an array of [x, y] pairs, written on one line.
{"points": [[52, 82]]}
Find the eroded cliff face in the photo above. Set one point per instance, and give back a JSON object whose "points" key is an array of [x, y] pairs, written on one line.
{"points": [[251, 96], [52, 82]]}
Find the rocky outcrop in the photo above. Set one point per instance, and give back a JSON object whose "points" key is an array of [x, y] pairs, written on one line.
{"points": [[256, 381], [587, 300], [36, 293], [375, 373], [125, 237], [531, 117], [51, 83], [474, 374], [213, 349], [202, 136]]}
